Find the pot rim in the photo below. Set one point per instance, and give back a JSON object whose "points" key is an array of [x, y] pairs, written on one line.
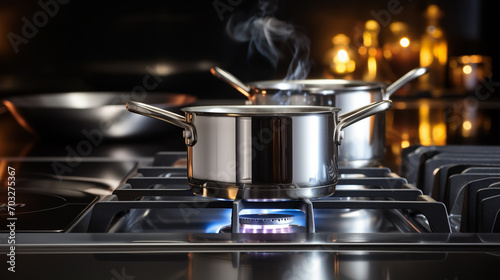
{"points": [[260, 110], [94, 100], [318, 86]]}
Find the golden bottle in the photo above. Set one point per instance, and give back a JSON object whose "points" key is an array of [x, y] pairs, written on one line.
{"points": [[373, 66], [340, 60], [433, 51]]}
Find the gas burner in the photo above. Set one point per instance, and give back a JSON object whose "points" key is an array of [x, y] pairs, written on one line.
{"points": [[266, 219], [267, 224]]}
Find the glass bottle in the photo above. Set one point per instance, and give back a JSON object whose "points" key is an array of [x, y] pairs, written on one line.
{"points": [[340, 60], [373, 66], [433, 51], [401, 50]]}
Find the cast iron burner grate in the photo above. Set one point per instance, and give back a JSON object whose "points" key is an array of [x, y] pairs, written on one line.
{"points": [[374, 199]]}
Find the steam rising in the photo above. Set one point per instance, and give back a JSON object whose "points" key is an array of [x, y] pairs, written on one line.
{"points": [[263, 30]]}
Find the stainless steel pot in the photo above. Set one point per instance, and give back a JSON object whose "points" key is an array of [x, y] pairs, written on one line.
{"points": [[262, 152], [364, 142]]}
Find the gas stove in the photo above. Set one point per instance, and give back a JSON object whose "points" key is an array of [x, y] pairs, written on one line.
{"points": [[139, 219]]}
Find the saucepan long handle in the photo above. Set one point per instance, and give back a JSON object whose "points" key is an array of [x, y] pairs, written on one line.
{"points": [[354, 116], [164, 115], [406, 78], [232, 80]]}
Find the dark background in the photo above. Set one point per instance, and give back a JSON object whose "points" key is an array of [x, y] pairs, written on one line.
{"points": [[106, 45], [90, 45]]}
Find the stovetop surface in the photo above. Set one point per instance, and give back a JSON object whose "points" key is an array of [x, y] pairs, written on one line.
{"points": [[315, 264], [233, 256]]}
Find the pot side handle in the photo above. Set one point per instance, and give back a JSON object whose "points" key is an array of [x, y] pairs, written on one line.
{"points": [[164, 115], [354, 116]]}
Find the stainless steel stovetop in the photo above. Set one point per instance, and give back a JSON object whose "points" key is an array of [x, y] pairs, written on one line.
{"points": [[143, 222]]}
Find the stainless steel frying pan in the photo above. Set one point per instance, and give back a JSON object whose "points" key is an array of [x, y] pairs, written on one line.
{"points": [[90, 114]]}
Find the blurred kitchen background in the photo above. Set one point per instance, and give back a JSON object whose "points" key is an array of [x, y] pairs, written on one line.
{"points": [[74, 45]]}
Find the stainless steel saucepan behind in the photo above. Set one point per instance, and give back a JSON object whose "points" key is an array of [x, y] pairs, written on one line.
{"points": [[262, 152], [364, 142]]}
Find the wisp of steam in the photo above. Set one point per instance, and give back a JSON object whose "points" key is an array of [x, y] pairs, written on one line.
{"points": [[263, 31]]}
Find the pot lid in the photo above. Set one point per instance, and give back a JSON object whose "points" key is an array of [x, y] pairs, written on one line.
{"points": [[320, 86]]}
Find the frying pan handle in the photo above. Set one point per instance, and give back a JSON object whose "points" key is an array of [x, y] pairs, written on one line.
{"points": [[354, 116], [164, 115]]}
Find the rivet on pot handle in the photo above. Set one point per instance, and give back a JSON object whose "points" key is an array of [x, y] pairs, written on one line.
{"points": [[173, 118], [354, 116]]}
